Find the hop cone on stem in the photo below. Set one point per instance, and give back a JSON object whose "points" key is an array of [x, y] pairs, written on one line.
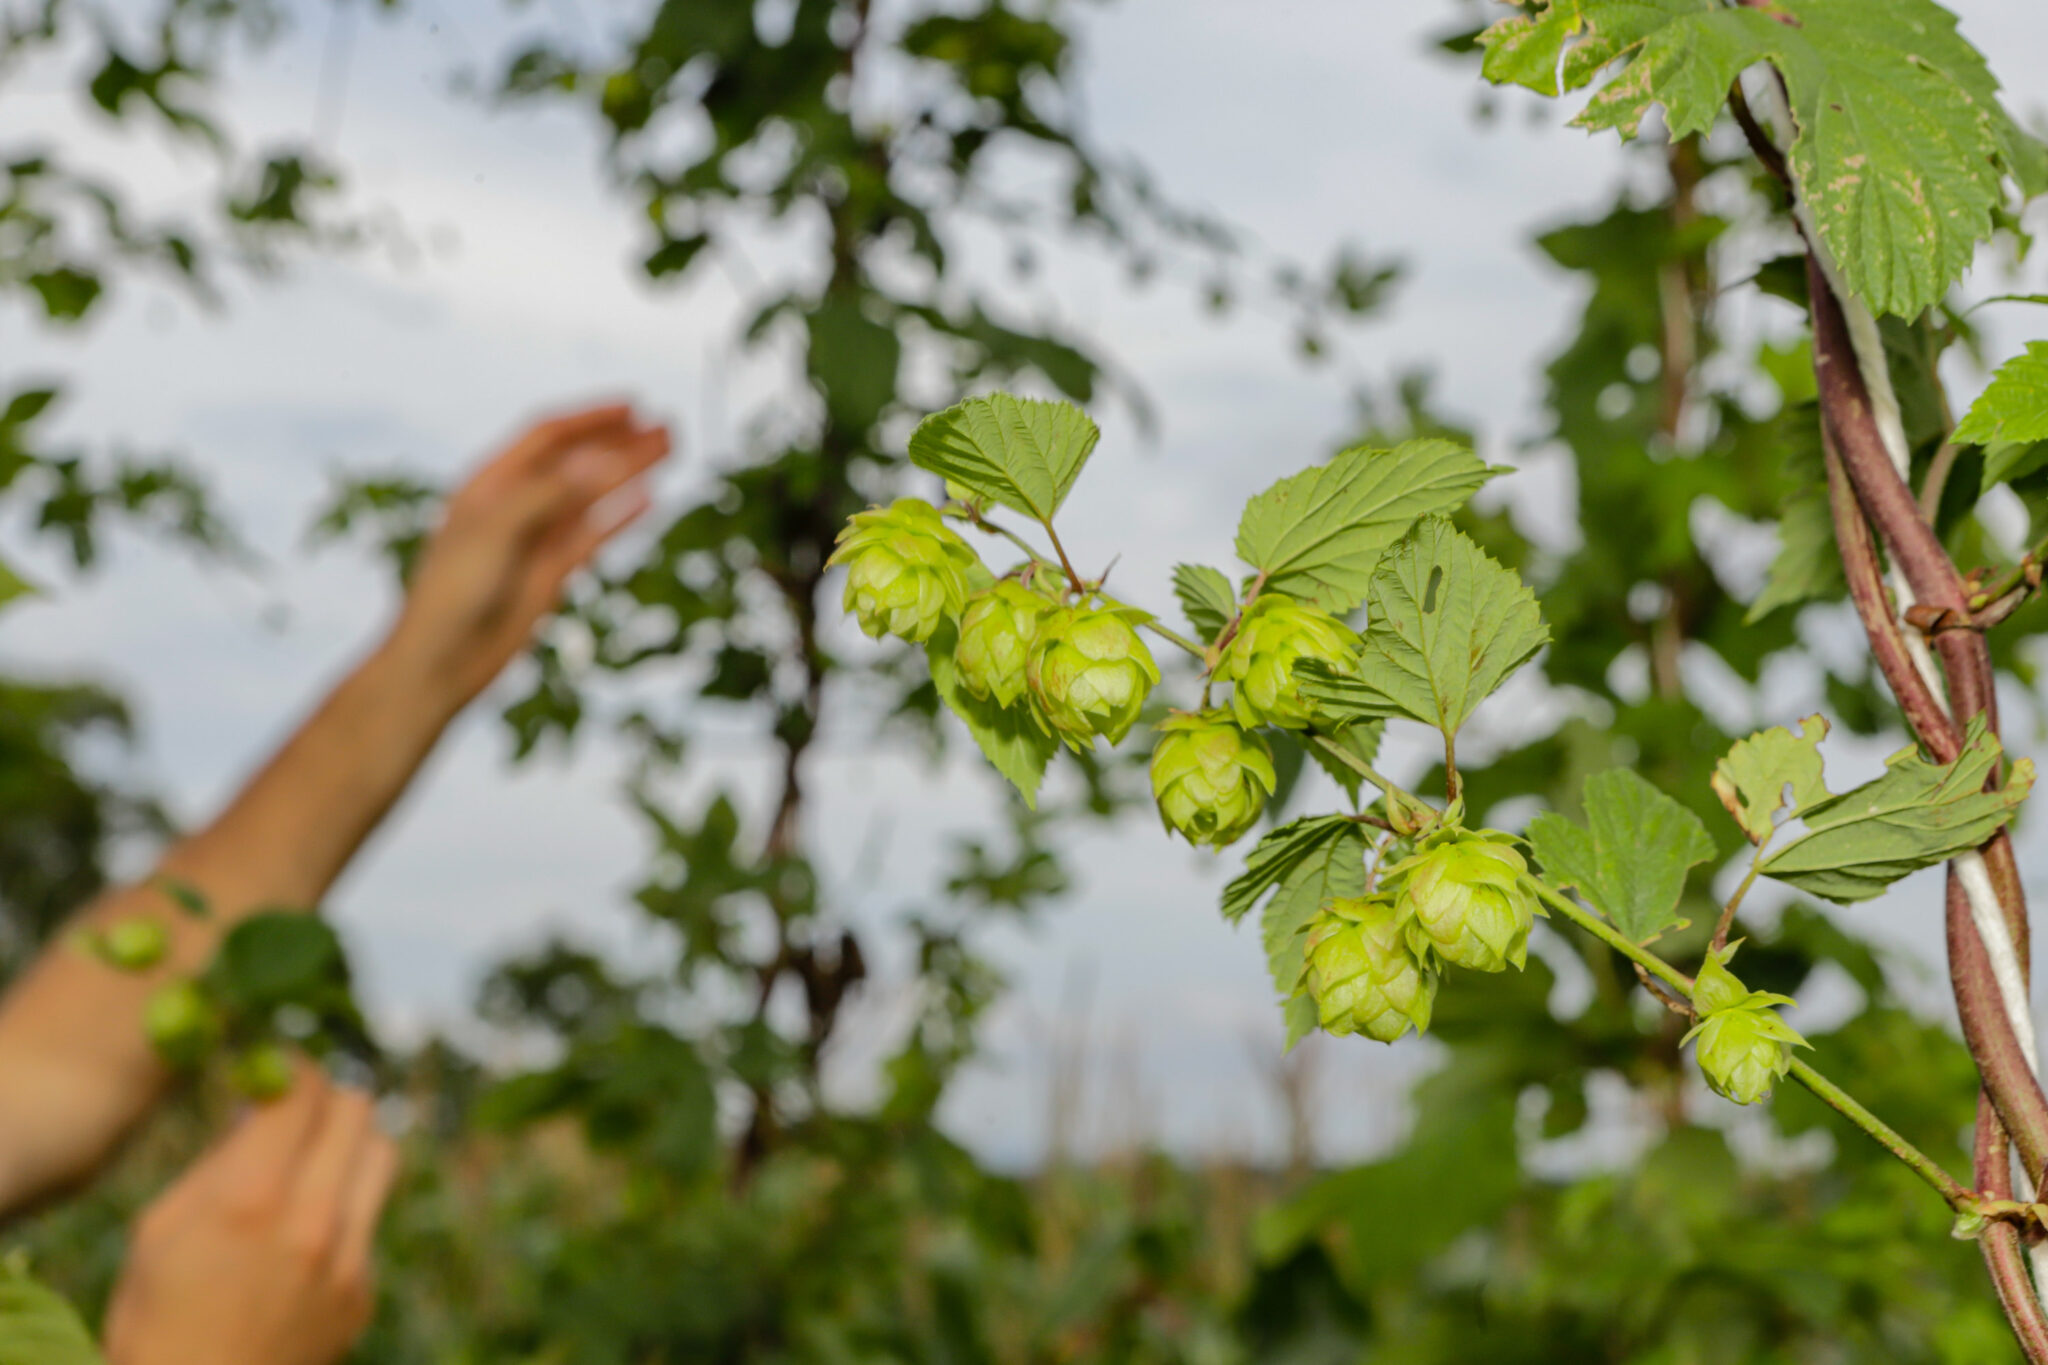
{"points": [[1211, 778], [997, 630], [1089, 673], [1744, 1047], [1276, 634], [1464, 896], [906, 570], [1362, 974]]}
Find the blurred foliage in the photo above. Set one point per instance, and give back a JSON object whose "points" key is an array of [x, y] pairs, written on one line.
{"points": [[672, 1185]]}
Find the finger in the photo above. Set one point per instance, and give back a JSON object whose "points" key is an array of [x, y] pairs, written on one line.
{"points": [[545, 440], [321, 1183], [254, 1162], [576, 542], [369, 1186], [578, 482]]}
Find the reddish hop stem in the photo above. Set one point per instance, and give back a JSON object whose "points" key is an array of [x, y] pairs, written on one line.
{"points": [[2005, 1252]]}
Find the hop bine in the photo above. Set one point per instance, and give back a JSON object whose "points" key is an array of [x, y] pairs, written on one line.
{"points": [[1089, 673], [1210, 777], [1744, 1047], [907, 572], [1362, 973], [997, 630], [1277, 633], [1464, 897]]}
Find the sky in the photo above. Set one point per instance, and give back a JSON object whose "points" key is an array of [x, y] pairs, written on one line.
{"points": [[1308, 123]]}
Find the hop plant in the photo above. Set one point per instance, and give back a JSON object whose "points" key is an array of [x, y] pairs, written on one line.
{"points": [[906, 570], [1464, 896], [1276, 634], [1363, 975], [1090, 673], [1210, 777], [997, 630], [1744, 1047]]}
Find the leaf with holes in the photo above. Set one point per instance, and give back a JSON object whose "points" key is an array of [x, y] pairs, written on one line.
{"points": [[1902, 144], [1752, 778]]}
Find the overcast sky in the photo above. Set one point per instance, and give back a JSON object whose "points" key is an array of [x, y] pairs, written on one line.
{"points": [[1307, 122]]}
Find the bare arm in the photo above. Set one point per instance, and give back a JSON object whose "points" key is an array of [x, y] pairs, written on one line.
{"points": [[77, 1070]]}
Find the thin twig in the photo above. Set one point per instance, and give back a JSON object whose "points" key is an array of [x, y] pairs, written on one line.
{"points": [[1727, 920]]}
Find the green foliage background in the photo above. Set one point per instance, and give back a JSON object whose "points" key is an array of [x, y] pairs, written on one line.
{"points": [[683, 1192]]}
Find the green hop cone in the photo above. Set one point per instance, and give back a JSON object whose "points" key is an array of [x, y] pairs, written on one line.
{"points": [[906, 570], [997, 630], [262, 1072], [1090, 673], [1211, 778], [181, 1023], [1464, 896], [1744, 1047], [1276, 634], [1363, 975], [135, 945]]}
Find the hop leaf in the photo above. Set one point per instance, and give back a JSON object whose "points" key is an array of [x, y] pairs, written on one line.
{"points": [[1363, 975], [1211, 778], [907, 571], [1277, 633], [997, 630], [1464, 896], [1744, 1048], [1090, 673]]}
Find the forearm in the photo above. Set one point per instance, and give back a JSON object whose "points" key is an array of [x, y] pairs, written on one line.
{"points": [[80, 1071]]}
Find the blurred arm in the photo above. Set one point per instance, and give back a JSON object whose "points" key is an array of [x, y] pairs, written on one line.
{"points": [[76, 1071]]}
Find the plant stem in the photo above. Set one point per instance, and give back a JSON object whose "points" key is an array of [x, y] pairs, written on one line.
{"points": [[1830, 1094], [1921, 1164], [1229, 631], [981, 523], [1177, 638], [1356, 764], [1073, 575], [1727, 920]]}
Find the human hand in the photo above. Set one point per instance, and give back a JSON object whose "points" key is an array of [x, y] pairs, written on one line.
{"points": [[512, 536], [260, 1253]]}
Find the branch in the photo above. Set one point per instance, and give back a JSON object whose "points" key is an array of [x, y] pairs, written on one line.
{"points": [[1830, 1094]]}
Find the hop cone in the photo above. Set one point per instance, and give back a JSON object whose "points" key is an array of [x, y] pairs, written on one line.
{"points": [[1211, 778], [1464, 896], [1363, 975], [1089, 673], [997, 631], [181, 1023], [1276, 634], [1743, 1046], [906, 570]]}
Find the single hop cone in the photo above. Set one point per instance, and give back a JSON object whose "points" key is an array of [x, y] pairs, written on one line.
{"points": [[1464, 896], [1276, 634], [906, 570], [1744, 1048], [997, 629], [1211, 778], [262, 1072], [181, 1023], [1363, 975], [1090, 673]]}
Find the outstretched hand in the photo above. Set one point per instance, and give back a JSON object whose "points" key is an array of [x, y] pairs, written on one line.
{"points": [[260, 1254], [515, 532]]}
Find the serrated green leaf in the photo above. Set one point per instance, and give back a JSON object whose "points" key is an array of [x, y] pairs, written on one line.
{"points": [[2014, 405], [1333, 868], [1807, 564], [2008, 462], [1318, 534], [1631, 858], [1446, 625], [1362, 741], [1276, 856], [37, 1327], [1751, 779], [1916, 815], [1207, 598], [1007, 736], [1902, 143], [1025, 453]]}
